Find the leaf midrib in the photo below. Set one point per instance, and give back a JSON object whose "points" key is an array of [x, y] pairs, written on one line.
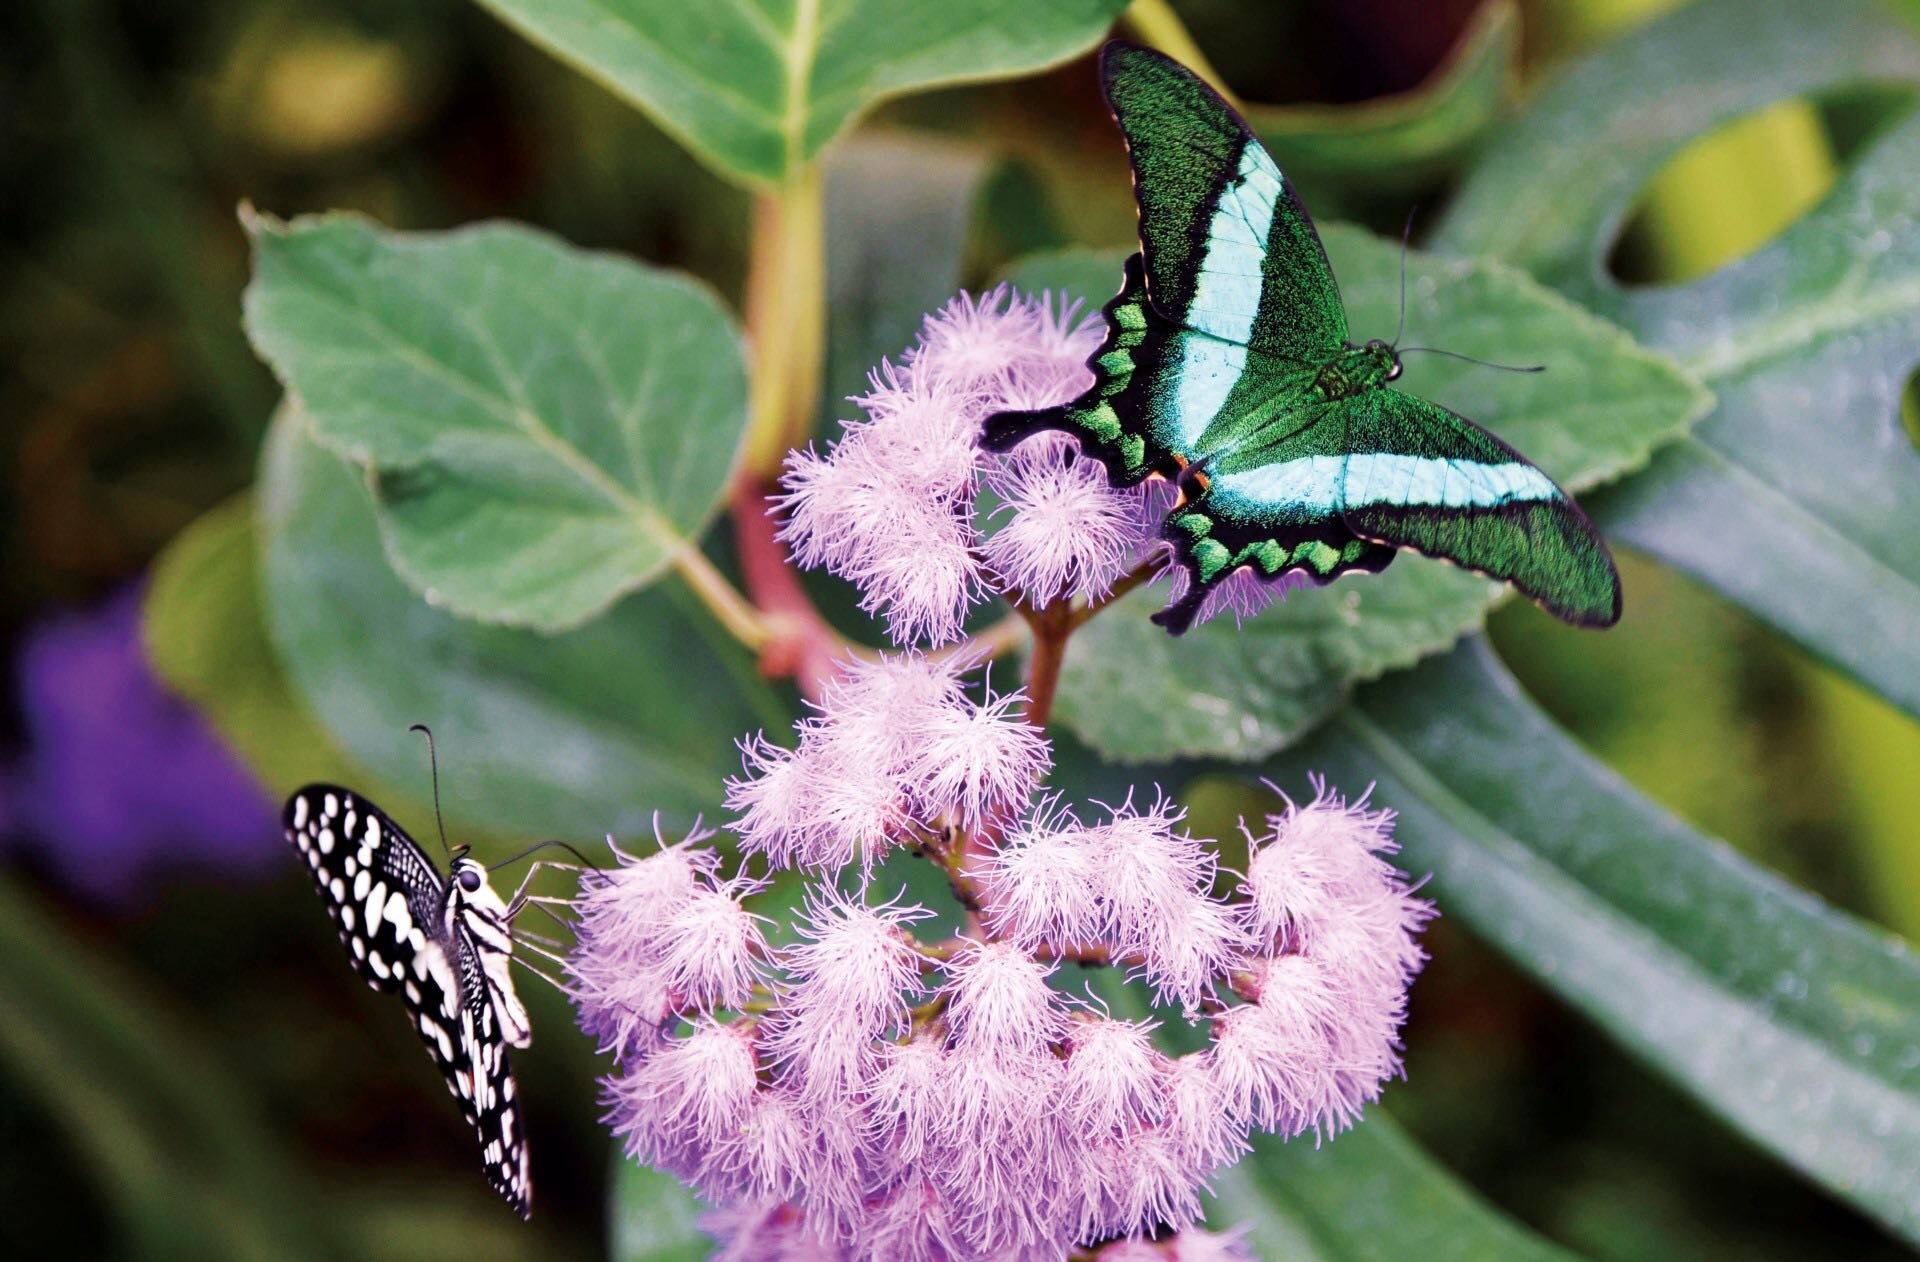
{"points": [[1472, 822], [648, 520], [1839, 311]]}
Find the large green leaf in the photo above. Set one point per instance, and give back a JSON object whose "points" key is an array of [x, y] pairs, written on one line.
{"points": [[652, 1217], [1796, 1023], [1241, 692], [757, 88], [1369, 1195], [548, 428], [206, 636], [1397, 145], [1798, 496], [577, 734]]}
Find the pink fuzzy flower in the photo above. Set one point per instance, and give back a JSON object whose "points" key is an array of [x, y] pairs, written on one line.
{"points": [[897, 749], [891, 506], [1043, 884], [1062, 530], [1153, 884], [678, 1107], [632, 967], [978, 764], [895, 506], [1113, 1075], [998, 1000]]}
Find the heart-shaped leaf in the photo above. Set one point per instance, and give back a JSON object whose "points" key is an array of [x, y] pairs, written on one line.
{"points": [[548, 428], [1243, 691], [578, 734], [1798, 496], [1796, 1023], [757, 88]]}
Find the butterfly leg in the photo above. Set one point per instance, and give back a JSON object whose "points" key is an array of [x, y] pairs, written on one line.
{"points": [[520, 895]]}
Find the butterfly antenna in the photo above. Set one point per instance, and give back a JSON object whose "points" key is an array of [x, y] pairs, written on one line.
{"points": [[1406, 238], [433, 761], [1484, 363], [536, 848]]}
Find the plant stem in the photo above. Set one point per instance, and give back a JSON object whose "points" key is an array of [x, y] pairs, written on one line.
{"points": [[786, 311], [799, 643], [1139, 575], [1157, 26], [1051, 624], [723, 600]]}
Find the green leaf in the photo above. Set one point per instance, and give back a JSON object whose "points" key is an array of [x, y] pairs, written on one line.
{"points": [[1243, 692], [897, 213], [1369, 1195], [757, 88], [576, 735], [1397, 145], [652, 1217], [206, 637], [186, 1167], [1797, 496], [1796, 1023], [547, 428]]}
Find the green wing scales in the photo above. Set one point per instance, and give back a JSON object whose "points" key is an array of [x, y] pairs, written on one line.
{"points": [[1420, 477], [1229, 249]]}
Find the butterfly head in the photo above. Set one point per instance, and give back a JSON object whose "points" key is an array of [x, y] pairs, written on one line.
{"points": [[467, 873], [1382, 359]]}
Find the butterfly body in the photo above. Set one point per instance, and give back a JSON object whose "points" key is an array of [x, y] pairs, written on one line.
{"points": [[1228, 367], [443, 945]]}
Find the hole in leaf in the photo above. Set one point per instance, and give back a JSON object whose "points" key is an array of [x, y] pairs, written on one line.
{"points": [[1737, 187]]}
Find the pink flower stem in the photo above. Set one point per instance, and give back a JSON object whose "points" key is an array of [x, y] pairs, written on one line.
{"points": [[1139, 575], [799, 644], [1051, 625]]}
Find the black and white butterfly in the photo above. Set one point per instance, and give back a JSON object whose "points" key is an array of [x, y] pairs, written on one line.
{"points": [[444, 944]]}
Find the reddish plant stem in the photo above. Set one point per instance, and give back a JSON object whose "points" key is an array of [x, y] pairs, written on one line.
{"points": [[1051, 625], [800, 644]]}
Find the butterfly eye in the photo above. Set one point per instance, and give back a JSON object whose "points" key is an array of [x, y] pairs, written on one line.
{"points": [[469, 880], [1393, 370]]}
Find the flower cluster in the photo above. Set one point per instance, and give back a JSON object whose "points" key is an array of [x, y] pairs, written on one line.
{"points": [[908, 507], [896, 1080], [895, 750]]}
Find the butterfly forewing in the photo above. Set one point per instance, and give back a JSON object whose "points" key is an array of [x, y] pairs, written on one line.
{"points": [[404, 931], [1230, 251]]}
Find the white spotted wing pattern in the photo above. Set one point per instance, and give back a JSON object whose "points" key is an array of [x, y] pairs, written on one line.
{"points": [[442, 944]]}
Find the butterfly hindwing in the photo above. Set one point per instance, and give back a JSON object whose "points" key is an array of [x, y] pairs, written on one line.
{"points": [[1421, 477], [1230, 250], [1273, 507], [491, 1105]]}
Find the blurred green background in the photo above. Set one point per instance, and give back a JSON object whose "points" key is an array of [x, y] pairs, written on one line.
{"points": [[186, 1069]]}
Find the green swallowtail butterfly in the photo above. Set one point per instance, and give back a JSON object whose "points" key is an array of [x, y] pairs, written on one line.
{"points": [[1227, 367]]}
